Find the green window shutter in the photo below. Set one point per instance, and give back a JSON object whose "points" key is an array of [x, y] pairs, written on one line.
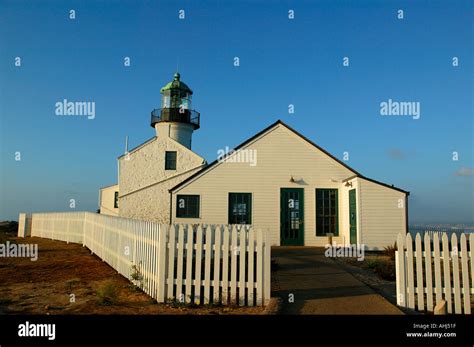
{"points": [[327, 212], [240, 208]]}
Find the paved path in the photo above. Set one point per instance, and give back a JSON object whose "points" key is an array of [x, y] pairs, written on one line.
{"points": [[321, 286]]}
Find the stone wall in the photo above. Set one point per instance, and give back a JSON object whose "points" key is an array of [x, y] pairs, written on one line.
{"points": [[144, 182]]}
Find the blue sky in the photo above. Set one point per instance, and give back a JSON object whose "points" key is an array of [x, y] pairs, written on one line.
{"points": [[282, 62]]}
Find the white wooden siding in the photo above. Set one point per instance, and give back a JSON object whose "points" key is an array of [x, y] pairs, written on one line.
{"points": [[280, 155], [381, 218], [107, 200]]}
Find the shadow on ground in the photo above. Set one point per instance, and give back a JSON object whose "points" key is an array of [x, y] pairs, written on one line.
{"points": [[309, 283]]}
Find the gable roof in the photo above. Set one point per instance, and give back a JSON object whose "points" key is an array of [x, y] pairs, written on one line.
{"points": [[134, 149], [140, 146], [279, 122], [109, 186]]}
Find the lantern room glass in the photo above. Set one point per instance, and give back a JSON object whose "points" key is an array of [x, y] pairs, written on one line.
{"points": [[175, 98]]}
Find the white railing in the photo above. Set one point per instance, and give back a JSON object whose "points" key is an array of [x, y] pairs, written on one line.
{"points": [[427, 272], [220, 264]]}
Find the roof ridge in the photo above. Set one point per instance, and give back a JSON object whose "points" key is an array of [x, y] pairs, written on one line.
{"points": [[260, 133]]}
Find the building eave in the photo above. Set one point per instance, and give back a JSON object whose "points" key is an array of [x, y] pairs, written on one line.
{"points": [[385, 185]]}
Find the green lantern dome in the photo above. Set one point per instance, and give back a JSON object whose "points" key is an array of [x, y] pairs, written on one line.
{"points": [[176, 84]]}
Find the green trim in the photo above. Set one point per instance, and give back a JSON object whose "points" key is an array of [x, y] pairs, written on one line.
{"points": [[352, 221], [287, 234], [330, 215]]}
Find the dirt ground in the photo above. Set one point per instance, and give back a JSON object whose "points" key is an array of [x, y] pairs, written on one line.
{"points": [[44, 286]]}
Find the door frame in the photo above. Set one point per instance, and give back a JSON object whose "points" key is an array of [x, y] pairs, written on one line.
{"points": [[300, 240], [356, 216]]}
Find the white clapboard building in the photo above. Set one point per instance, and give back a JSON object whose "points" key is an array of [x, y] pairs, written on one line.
{"points": [[278, 180]]}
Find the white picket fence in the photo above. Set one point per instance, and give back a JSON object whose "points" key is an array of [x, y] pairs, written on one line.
{"points": [[430, 272], [431, 231], [201, 264], [63, 226]]}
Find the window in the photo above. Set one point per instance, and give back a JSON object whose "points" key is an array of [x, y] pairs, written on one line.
{"points": [[116, 199], [240, 208], [170, 161], [187, 206], [326, 212]]}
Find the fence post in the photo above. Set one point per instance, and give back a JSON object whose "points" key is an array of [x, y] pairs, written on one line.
{"points": [[410, 273], [233, 265], [189, 262], [198, 259], [437, 269], [242, 255], [207, 264], [179, 270], [84, 227], [251, 262], [260, 265], [162, 253], [471, 256], [171, 250], [225, 265], [400, 271], [419, 273], [22, 225], [67, 230], [447, 272], [267, 269], [465, 275], [428, 272], [455, 265], [217, 263]]}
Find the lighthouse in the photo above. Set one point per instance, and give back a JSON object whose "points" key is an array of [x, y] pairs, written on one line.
{"points": [[176, 119]]}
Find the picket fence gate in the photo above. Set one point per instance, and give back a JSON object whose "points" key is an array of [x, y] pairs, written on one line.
{"points": [[200, 264], [441, 272]]}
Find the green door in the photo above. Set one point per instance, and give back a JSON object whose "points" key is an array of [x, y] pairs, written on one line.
{"points": [[292, 216], [353, 216]]}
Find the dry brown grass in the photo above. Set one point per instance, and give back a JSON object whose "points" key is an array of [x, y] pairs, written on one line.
{"points": [[44, 286]]}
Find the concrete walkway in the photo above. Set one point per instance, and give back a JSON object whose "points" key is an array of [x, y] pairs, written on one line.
{"points": [[321, 286]]}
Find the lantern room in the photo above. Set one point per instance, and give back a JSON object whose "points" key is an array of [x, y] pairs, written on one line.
{"points": [[176, 118], [176, 94]]}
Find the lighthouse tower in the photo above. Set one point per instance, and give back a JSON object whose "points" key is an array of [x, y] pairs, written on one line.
{"points": [[176, 118]]}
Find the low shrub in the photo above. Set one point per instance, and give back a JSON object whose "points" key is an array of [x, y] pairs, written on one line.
{"points": [[371, 264], [390, 251], [137, 277], [108, 293], [385, 269]]}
